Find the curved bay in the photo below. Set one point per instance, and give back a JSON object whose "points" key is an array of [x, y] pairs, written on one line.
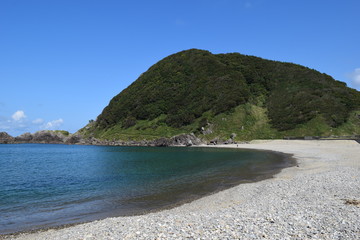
{"points": [[51, 185]]}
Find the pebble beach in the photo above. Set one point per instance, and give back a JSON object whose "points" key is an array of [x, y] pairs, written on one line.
{"points": [[319, 198]]}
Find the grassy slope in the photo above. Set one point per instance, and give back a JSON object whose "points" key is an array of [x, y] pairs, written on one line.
{"points": [[247, 121], [143, 130], [318, 127]]}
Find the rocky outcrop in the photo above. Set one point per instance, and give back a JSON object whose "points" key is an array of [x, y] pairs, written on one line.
{"points": [[179, 140], [186, 139], [24, 138], [73, 139], [216, 141], [62, 137], [6, 138], [46, 136], [42, 137], [161, 142]]}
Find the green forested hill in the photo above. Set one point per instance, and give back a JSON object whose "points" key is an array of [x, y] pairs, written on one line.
{"points": [[214, 95]]}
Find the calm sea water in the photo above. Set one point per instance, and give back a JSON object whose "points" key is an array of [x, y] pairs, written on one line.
{"points": [[44, 185]]}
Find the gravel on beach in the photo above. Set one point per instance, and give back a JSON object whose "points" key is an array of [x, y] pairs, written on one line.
{"points": [[317, 199]]}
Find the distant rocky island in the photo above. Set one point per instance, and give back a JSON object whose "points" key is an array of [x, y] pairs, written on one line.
{"points": [[64, 137], [45, 136]]}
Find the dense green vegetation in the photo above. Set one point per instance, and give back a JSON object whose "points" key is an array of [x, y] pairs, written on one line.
{"points": [[259, 98]]}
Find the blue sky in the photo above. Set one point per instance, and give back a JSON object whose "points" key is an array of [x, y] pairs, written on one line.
{"points": [[61, 61]]}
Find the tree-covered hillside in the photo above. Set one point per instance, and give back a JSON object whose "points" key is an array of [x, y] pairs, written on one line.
{"points": [[188, 90]]}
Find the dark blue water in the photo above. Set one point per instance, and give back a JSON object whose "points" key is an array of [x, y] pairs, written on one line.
{"points": [[44, 185]]}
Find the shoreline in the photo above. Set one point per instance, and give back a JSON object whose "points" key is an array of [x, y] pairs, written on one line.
{"points": [[287, 161], [261, 209]]}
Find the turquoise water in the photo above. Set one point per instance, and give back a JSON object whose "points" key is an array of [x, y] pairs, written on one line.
{"points": [[44, 185]]}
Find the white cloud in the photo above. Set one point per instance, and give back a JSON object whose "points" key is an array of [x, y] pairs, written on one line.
{"points": [[18, 123], [53, 124], [38, 121], [355, 77], [18, 115]]}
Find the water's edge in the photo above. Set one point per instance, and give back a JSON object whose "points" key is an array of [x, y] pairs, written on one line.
{"points": [[288, 160]]}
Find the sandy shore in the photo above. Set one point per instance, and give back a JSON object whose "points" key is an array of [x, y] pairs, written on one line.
{"points": [[315, 200]]}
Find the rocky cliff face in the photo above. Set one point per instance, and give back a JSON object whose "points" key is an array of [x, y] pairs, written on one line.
{"points": [[6, 138], [56, 137]]}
